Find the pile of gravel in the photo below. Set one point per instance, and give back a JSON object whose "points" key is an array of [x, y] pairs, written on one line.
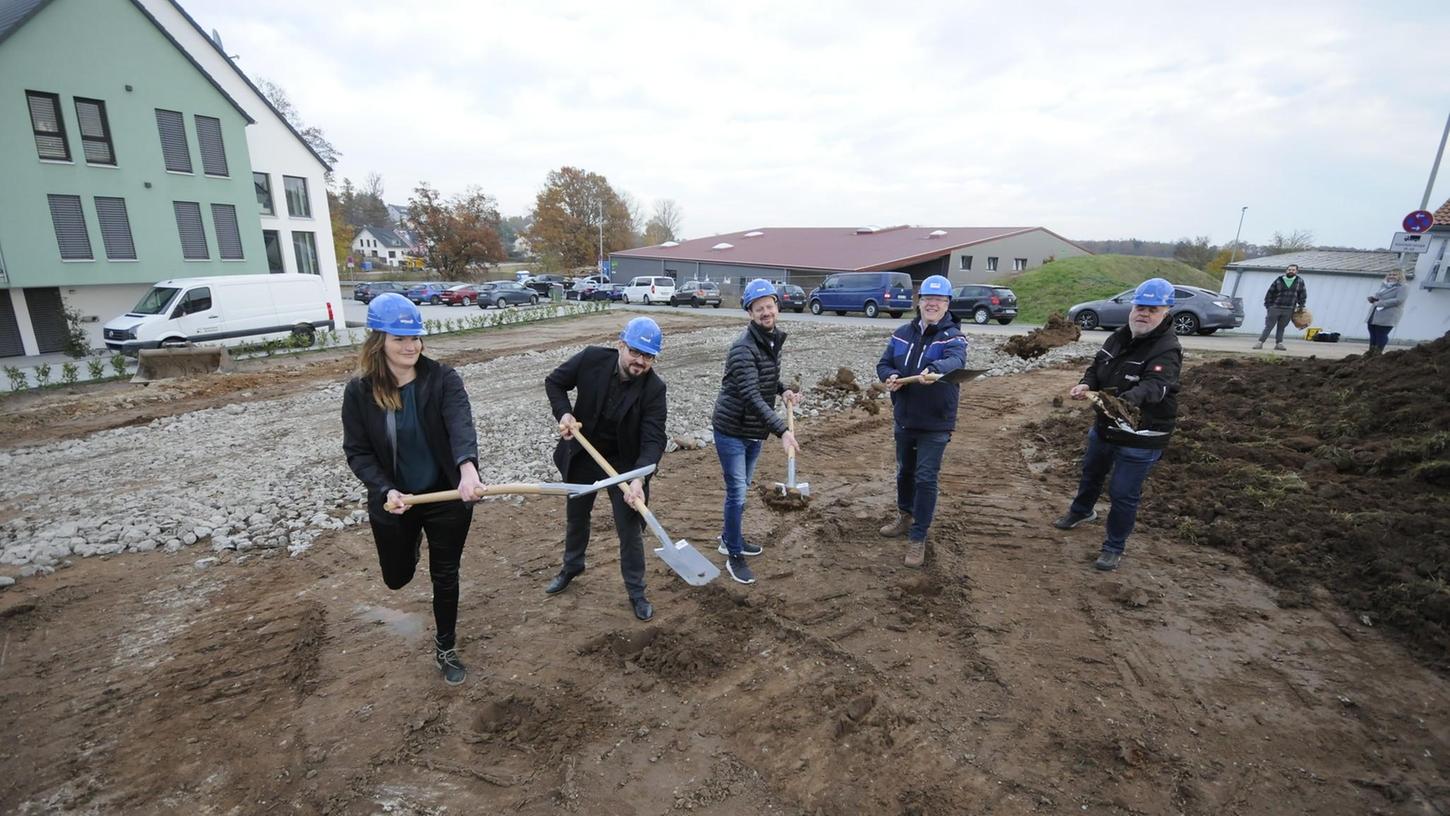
{"points": [[271, 475]]}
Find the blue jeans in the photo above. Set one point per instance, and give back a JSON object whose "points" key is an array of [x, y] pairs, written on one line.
{"points": [[918, 459], [737, 461], [1130, 468]]}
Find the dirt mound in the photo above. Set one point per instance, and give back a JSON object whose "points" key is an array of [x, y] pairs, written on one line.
{"points": [[1332, 473], [1057, 331]]}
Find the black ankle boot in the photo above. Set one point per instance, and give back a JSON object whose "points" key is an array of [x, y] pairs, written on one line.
{"points": [[448, 662]]}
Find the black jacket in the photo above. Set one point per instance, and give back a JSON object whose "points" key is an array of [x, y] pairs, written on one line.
{"points": [[941, 348], [1292, 296], [369, 434], [1144, 374], [641, 432], [745, 407]]}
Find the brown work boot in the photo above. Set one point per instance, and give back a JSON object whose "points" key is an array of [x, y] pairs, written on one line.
{"points": [[898, 528], [915, 553]]}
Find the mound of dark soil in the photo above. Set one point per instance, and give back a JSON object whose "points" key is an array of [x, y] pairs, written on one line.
{"points": [[1057, 331], [1334, 473]]}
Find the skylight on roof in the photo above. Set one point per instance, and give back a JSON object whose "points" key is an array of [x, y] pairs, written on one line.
{"points": [[723, 245], [670, 244], [754, 234], [936, 233]]}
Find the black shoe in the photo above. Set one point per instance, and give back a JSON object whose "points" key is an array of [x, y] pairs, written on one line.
{"points": [[1108, 560], [643, 609], [739, 570], [747, 549], [560, 583], [449, 664], [1072, 520]]}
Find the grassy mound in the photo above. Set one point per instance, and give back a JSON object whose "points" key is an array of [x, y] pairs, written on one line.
{"points": [[1055, 286]]}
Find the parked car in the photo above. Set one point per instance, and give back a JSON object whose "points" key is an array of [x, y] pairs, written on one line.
{"points": [[426, 293], [365, 292], [1195, 311], [868, 292], [582, 289], [612, 292], [464, 294], [791, 297], [697, 294], [222, 309], [505, 293], [541, 284], [982, 304], [649, 289]]}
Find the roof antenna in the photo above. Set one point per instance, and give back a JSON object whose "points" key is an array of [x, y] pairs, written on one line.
{"points": [[217, 38]]}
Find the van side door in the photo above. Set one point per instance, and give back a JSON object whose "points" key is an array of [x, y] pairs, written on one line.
{"points": [[196, 315]]}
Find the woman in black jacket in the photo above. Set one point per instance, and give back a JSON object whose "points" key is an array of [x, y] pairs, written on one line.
{"points": [[745, 415], [407, 428]]}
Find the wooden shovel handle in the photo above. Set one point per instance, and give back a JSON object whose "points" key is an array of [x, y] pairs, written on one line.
{"points": [[790, 426], [603, 463], [490, 490], [916, 378]]}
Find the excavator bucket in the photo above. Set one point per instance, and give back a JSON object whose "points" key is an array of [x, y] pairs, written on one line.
{"points": [[190, 361]]}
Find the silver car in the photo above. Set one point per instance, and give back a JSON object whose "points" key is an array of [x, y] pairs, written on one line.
{"points": [[1195, 311]]}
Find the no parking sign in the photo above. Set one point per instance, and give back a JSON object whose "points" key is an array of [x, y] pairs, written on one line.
{"points": [[1419, 221]]}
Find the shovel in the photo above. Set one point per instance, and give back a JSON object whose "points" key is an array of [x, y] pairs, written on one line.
{"points": [[686, 561], [534, 488], [958, 376], [791, 487], [1119, 421]]}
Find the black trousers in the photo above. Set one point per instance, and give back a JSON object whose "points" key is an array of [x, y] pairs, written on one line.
{"points": [[628, 523], [399, 541]]}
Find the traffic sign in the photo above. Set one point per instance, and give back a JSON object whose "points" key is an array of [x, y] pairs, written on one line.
{"points": [[1416, 242], [1419, 221]]}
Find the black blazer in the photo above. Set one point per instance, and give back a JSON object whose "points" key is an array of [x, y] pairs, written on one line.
{"points": [[370, 437], [641, 435]]}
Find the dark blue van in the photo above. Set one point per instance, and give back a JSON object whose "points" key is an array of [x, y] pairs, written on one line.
{"points": [[869, 292]]}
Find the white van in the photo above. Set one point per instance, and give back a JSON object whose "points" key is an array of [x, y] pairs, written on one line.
{"points": [[222, 309], [649, 289]]}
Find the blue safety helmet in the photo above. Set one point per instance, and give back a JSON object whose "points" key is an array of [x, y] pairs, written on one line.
{"points": [[1153, 292], [643, 335], [755, 290], [395, 314], [936, 285]]}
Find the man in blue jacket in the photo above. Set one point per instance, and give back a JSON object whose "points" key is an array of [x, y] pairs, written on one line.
{"points": [[925, 413]]}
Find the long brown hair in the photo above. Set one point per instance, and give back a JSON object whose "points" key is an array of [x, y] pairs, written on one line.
{"points": [[372, 365]]}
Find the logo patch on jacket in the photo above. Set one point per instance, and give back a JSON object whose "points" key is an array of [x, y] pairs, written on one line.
{"points": [[1158, 367]]}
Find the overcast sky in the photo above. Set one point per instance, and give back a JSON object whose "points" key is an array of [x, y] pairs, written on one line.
{"points": [[1096, 120]]}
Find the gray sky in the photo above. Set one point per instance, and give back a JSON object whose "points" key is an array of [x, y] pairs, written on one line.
{"points": [[1096, 120]]}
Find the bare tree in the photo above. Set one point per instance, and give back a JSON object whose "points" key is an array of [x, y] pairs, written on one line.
{"points": [[312, 135], [664, 224], [1296, 241]]}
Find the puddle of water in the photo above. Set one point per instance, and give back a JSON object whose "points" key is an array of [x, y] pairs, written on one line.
{"points": [[405, 624]]}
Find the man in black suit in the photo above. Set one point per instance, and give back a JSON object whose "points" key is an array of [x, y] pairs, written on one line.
{"points": [[620, 406]]}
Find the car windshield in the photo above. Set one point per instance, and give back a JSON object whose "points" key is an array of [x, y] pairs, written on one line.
{"points": [[155, 300]]}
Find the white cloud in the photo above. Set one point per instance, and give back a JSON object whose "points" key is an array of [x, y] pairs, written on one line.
{"points": [[1096, 120]]}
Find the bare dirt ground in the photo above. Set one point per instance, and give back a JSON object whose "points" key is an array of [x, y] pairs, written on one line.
{"points": [[1006, 677]]}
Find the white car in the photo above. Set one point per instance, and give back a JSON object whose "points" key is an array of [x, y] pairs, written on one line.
{"points": [[650, 289]]}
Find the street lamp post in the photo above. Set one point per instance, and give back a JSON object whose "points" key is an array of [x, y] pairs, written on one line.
{"points": [[600, 210], [1235, 248]]}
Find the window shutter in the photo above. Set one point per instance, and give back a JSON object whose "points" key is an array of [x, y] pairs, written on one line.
{"points": [[173, 140], [189, 227], [115, 228], [95, 141], [228, 236], [213, 152], [70, 228]]}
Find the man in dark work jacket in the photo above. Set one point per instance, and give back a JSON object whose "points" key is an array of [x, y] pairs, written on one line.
{"points": [[1139, 365], [620, 407]]}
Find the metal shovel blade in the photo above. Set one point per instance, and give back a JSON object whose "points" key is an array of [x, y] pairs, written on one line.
{"points": [[576, 490], [685, 560]]}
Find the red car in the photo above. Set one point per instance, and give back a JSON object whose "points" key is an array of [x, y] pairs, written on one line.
{"points": [[464, 295]]}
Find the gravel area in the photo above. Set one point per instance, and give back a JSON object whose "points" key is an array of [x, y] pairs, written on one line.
{"points": [[272, 475]]}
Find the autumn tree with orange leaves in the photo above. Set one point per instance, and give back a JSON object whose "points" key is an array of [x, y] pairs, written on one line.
{"points": [[456, 233], [567, 216]]}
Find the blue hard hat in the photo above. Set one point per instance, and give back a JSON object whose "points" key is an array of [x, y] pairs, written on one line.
{"points": [[755, 290], [643, 335], [392, 313], [936, 285], [1153, 292]]}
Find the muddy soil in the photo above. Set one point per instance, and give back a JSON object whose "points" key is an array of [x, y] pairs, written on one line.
{"points": [[1057, 331], [1330, 478], [1005, 677]]}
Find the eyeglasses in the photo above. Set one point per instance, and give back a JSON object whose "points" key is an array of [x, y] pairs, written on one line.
{"points": [[639, 355]]}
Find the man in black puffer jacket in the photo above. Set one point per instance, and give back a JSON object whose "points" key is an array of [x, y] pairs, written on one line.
{"points": [[1139, 365], [745, 415]]}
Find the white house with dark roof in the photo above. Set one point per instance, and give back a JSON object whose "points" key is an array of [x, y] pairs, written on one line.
{"points": [[1340, 282], [380, 245]]}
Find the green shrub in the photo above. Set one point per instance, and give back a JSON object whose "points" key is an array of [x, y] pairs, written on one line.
{"points": [[69, 373], [118, 364], [42, 375], [18, 380], [96, 367]]}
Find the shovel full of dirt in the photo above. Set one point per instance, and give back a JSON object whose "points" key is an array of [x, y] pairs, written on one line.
{"points": [[685, 560], [1120, 413], [185, 361], [790, 494]]}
